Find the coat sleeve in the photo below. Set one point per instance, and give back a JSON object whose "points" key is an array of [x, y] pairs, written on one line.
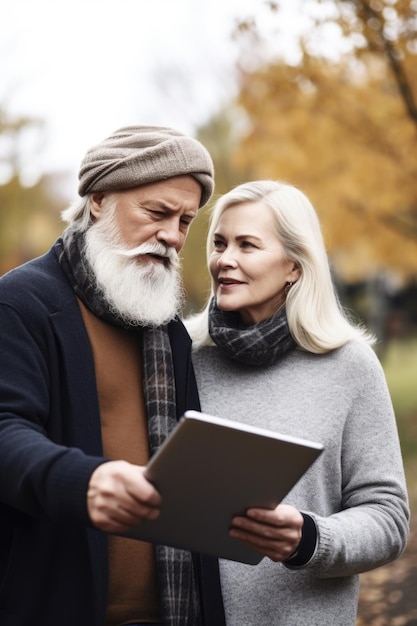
{"points": [[41, 475]]}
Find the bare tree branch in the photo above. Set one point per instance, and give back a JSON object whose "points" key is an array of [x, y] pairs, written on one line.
{"points": [[393, 56]]}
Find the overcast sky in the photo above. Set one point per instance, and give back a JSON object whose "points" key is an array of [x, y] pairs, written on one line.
{"points": [[88, 67]]}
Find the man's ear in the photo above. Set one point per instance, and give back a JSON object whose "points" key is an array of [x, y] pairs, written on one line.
{"points": [[96, 204]]}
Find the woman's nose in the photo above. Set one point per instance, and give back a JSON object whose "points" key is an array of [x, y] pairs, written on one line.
{"points": [[227, 259]]}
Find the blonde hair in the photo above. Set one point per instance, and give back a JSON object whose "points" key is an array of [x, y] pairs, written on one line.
{"points": [[316, 319]]}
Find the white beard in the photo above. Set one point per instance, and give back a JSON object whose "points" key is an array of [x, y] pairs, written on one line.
{"points": [[148, 294]]}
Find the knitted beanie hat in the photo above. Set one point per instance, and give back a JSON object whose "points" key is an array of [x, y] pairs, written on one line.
{"points": [[137, 155]]}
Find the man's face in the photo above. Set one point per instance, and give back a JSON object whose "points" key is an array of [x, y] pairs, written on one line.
{"points": [[133, 246], [157, 212]]}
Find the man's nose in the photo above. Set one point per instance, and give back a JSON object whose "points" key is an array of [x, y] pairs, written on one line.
{"points": [[170, 234]]}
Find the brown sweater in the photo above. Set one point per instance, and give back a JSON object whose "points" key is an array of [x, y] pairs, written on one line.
{"points": [[133, 591]]}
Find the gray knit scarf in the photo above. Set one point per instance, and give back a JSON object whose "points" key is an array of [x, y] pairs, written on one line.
{"points": [[259, 345], [178, 589]]}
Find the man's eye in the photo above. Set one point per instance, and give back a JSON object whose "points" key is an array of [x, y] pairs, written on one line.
{"points": [[153, 214]]}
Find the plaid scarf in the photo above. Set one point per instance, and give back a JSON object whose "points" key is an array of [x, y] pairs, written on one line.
{"points": [[260, 345], [177, 585]]}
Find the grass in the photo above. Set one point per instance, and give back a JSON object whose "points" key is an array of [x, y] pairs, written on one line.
{"points": [[399, 361]]}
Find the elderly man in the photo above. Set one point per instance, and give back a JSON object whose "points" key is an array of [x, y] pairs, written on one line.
{"points": [[95, 370]]}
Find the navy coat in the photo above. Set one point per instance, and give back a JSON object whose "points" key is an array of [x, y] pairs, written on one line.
{"points": [[53, 563]]}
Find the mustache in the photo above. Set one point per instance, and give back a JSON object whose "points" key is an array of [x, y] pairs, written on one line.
{"points": [[159, 249]]}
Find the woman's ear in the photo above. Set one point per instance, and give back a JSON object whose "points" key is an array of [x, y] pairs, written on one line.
{"points": [[96, 204], [295, 273]]}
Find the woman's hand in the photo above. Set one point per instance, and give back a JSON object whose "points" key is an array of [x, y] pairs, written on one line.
{"points": [[119, 497], [275, 533]]}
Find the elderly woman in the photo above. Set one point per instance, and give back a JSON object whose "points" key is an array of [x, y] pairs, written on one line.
{"points": [[274, 348]]}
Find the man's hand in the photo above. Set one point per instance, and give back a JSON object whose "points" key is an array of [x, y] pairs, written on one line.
{"points": [[275, 533], [119, 497]]}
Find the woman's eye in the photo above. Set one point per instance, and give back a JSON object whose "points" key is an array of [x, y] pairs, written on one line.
{"points": [[247, 244], [218, 244]]}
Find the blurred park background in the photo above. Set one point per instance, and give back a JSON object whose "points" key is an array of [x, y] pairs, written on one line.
{"points": [[321, 94]]}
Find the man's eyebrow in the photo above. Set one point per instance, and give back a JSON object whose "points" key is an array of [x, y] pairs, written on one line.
{"points": [[161, 204]]}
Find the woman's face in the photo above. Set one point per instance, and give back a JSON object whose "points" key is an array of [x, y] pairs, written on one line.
{"points": [[248, 265]]}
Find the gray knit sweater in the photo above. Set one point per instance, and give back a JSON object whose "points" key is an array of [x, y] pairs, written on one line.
{"points": [[355, 492]]}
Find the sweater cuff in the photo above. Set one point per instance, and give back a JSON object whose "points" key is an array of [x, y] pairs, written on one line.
{"points": [[307, 545]]}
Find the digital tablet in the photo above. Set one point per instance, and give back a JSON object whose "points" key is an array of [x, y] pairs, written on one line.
{"points": [[210, 469]]}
